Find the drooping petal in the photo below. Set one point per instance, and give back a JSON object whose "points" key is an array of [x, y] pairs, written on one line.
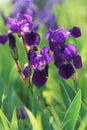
{"points": [[75, 32], [66, 71], [40, 77], [3, 39], [77, 62]]}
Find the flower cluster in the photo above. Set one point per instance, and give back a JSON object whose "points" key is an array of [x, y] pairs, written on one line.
{"points": [[65, 55], [22, 26], [39, 63]]}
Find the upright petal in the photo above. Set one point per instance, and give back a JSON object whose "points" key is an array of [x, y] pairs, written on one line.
{"points": [[70, 51], [12, 24], [46, 53]]}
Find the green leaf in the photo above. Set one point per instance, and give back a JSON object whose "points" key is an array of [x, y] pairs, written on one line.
{"points": [[59, 126], [65, 96], [14, 124], [35, 123], [21, 126], [46, 120], [4, 120], [72, 114], [1, 126], [83, 125]]}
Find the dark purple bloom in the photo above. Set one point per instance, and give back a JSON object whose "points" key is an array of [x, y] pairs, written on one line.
{"points": [[75, 32], [57, 38], [32, 38], [21, 24], [63, 60], [40, 65], [3, 38], [23, 114]]}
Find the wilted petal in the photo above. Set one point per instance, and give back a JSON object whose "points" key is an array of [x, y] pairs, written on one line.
{"points": [[77, 62], [40, 77], [66, 71], [3, 39]]}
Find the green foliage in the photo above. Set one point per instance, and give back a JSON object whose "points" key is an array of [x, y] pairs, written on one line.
{"points": [[72, 113]]}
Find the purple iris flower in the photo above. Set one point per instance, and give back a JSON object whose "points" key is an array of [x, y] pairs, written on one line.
{"points": [[21, 24], [63, 60], [57, 37], [40, 65]]}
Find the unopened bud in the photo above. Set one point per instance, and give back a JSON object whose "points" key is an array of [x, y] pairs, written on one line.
{"points": [[13, 47]]}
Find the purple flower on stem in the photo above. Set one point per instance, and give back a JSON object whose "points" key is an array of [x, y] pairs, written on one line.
{"points": [[63, 58], [56, 38], [21, 24], [40, 65]]}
